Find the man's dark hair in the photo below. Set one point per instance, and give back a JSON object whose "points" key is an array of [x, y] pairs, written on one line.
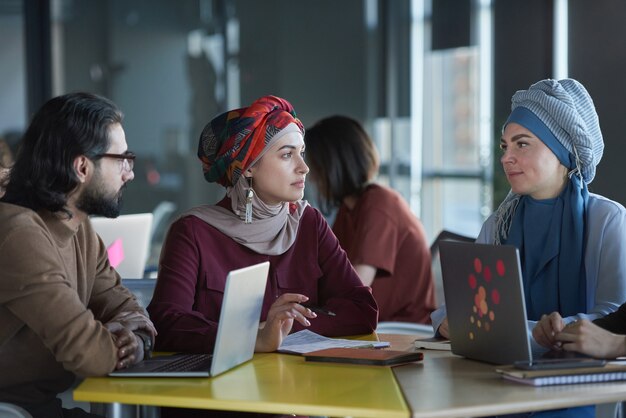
{"points": [[64, 128]]}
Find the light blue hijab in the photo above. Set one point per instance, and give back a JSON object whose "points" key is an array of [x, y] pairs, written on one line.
{"points": [[550, 234]]}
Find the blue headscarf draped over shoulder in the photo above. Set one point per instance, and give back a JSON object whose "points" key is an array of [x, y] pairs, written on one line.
{"points": [[550, 234]]}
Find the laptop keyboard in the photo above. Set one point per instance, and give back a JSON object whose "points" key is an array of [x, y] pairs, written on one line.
{"points": [[187, 363]]}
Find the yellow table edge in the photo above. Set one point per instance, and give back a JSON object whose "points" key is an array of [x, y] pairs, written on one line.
{"points": [[107, 390]]}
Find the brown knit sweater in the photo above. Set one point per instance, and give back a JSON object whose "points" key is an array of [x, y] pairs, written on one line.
{"points": [[56, 291]]}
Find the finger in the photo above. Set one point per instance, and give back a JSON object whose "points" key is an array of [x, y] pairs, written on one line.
{"points": [[293, 314], [140, 324], [125, 344], [114, 327], [545, 328], [276, 330], [126, 362], [303, 310], [541, 335], [149, 326], [119, 342], [572, 346], [126, 336], [131, 359], [556, 323], [546, 338], [292, 302], [444, 328], [566, 336], [135, 316], [548, 331], [444, 332], [292, 298], [127, 350], [147, 321], [120, 315], [298, 313]]}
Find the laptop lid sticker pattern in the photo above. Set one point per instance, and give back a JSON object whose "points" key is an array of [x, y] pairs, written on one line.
{"points": [[486, 296], [485, 302]]}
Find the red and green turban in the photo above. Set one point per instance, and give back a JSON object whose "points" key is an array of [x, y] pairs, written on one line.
{"points": [[232, 141]]}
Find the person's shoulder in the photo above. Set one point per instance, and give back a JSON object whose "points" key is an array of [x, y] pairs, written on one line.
{"points": [[491, 219], [376, 191], [600, 204], [199, 221], [14, 216], [487, 231], [197, 215], [189, 225], [311, 214], [312, 218], [380, 197], [23, 226]]}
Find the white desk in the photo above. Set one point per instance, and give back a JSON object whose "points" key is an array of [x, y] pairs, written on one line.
{"points": [[445, 385]]}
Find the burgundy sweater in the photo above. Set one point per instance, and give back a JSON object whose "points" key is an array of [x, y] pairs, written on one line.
{"points": [[196, 259]]}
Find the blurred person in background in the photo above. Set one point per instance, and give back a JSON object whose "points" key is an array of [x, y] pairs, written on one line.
{"points": [[6, 161], [384, 240]]}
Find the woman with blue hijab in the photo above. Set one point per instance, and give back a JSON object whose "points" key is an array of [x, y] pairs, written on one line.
{"points": [[572, 243], [546, 211]]}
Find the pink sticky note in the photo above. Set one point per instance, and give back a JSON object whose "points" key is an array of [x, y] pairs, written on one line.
{"points": [[116, 253]]}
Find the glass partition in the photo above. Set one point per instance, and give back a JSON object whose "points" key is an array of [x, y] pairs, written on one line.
{"points": [[172, 66], [13, 117]]}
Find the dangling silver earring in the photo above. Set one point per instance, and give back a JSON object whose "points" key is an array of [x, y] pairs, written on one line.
{"points": [[249, 196]]}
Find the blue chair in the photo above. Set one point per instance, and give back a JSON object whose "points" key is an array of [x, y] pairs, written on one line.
{"points": [[8, 410]]}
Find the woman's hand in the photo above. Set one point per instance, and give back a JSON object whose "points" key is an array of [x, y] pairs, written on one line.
{"points": [[443, 328], [547, 328], [587, 338], [280, 319]]}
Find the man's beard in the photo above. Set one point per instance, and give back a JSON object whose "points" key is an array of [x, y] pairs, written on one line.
{"points": [[93, 201]]}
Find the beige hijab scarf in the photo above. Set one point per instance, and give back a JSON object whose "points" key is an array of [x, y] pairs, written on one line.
{"points": [[225, 148]]}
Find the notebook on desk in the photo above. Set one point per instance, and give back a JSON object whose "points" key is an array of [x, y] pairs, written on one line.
{"points": [[236, 332], [127, 239], [485, 302]]}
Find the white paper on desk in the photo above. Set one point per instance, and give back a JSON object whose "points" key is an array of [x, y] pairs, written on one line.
{"points": [[305, 341]]}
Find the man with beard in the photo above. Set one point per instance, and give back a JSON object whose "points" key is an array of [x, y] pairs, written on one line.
{"points": [[63, 310]]}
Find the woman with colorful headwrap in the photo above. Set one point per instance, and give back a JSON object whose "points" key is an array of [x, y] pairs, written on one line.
{"points": [[257, 153], [572, 243]]}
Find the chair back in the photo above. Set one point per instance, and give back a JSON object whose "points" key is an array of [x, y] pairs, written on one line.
{"points": [[436, 264], [8, 410]]}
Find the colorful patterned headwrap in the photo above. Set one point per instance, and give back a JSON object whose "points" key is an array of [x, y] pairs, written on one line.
{"points": [[232, 141]]}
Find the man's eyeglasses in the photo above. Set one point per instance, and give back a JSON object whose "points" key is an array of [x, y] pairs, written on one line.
{"points": [[127, 160]]}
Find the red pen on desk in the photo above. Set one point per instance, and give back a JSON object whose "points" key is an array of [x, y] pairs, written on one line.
{"points": [[318, 309]]}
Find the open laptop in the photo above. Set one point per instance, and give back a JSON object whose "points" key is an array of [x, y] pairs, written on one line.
{"points": [[236, 332], [127, 239], [485, 302]]}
